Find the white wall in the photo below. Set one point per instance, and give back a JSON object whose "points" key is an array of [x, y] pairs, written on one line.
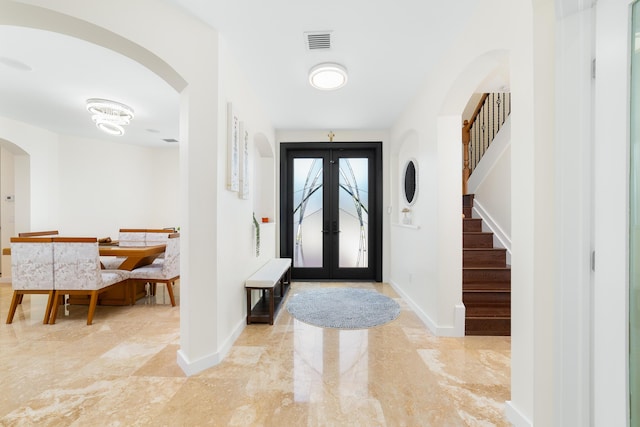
{"points": [[36, 176], [105, 186], [236, 243], [7, 207], [610, 181], [574, 169], [99, 185]]}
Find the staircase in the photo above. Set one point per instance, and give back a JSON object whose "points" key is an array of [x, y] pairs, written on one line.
{"points": [[486, 278]]}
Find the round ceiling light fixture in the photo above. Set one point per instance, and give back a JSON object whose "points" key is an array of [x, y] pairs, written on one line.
{"points": [[109, 116], [328, 76]]}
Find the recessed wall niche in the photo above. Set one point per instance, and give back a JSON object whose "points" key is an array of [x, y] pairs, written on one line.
{"points": [[409, 182], [263, 180]]}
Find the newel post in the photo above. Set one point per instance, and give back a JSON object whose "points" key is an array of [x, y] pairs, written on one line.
{"points": [[466, 137]]}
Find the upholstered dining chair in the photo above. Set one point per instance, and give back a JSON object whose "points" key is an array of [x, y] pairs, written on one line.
{"points": [[158, 237], [126, 237], [31, 271], [132, 237], [76, 264], [166, 272]]}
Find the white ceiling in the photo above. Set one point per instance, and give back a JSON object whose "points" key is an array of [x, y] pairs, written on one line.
{"points": [[388, 47]]}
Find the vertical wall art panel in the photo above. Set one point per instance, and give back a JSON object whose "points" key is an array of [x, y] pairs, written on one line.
{"points": [[233, 149], [244, 162]]}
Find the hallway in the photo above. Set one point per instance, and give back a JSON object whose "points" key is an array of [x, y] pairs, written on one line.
{"points": [[122, 371]]}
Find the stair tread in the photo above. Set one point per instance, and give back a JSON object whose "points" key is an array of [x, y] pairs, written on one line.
{"points": [[484, 249], [502, 317], [478, 290]]}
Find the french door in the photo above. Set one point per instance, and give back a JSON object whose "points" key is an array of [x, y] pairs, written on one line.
{"points": [[331, 208]]}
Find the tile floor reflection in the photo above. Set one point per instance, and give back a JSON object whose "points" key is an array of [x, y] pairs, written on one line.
{"points": [[122, 371]]}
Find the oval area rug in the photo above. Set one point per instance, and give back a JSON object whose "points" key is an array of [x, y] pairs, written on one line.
{"points": [[343, 308]]}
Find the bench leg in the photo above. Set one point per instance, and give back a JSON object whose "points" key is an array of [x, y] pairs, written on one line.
{"points": [[248, 306], [271, 304]]}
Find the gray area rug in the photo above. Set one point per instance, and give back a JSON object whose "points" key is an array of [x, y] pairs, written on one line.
{"points": [[343, 308]]}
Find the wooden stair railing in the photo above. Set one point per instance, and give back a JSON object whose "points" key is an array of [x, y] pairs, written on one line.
{"points": [[479, 131]]}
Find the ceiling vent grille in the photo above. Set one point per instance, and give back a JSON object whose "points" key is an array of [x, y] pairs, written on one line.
{"points": [[318, 40]]}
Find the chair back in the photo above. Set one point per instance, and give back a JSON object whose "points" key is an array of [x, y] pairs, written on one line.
{"points": [[76, 263], [132, 237], [32, 263], [157, 236], [171, 265], [39, 233]]}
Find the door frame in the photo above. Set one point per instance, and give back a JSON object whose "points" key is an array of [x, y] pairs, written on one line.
{"points": [[375, 208]]}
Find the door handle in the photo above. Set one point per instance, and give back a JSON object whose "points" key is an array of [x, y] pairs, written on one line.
{"points": [[334, 227]]}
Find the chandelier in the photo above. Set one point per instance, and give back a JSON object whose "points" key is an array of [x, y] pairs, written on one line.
{"points": [[109, 116]]}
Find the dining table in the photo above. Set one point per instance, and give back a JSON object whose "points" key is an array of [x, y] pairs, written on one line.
{"points": [[132, 257]]}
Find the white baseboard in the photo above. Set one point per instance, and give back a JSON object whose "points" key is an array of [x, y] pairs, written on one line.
{"points": [[192, 367], [515, 417], [459, 316], [440, 331], [503, 240]]}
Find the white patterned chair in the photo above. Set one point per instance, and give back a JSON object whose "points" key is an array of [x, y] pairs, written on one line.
{"points": [[76, 264], [166, 272], [31, 271], [158, 237], [126, 237]]}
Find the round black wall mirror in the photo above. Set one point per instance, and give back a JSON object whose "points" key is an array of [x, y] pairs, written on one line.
{"points": [[410, 177]]}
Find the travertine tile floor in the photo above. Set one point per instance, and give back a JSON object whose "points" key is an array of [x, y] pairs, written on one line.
{"points": [[121, 371]]}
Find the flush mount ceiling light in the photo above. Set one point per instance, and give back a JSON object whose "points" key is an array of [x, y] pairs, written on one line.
{"points": [[109, 116], [328, 76]]}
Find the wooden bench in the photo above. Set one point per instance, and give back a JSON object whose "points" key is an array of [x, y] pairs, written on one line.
{"points": [[272, 280]]}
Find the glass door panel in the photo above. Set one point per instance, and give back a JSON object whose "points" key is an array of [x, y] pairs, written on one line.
{"points": [[308, 212], [353, 211]]}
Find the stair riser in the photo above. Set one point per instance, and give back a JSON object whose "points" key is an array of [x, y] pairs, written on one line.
{"points": [[482, 258], [487, 326], [472, 224], [496, 276], [466, 211], [477, 240], [487, 298], [467, 200]]}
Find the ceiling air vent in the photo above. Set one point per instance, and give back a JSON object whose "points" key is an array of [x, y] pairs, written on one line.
{"points": [[318, 40]]}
